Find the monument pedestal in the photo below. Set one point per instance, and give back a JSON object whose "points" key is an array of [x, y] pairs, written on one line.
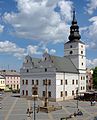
{"points": [[49, 108]]}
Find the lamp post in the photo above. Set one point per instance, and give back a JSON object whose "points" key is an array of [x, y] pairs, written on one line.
{"points": [[34, 108]]}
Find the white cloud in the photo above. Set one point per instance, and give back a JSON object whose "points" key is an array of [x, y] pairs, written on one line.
{"points": [[91, 6], [33, 50], [51, 51], [37, 19], [90, 32], [1, 28], [65, 9], [8, 47], [91, 63], [11, 48]]}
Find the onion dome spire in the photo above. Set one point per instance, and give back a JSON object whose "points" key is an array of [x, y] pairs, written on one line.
{"points": [[74, 30]]}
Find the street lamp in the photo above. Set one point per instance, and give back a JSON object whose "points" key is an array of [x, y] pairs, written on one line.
{"points": [[34, 108], [77, 96]]}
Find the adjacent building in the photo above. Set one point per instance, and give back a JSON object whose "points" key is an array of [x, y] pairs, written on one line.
{"points": [[89, 79], [66, 75], [2, 82], [12, 79]]}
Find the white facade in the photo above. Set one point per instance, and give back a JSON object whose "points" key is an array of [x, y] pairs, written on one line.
{"points": [[66, 75], [63, 85], [78, 58]]}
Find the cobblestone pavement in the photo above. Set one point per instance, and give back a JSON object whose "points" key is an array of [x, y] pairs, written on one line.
{"points": [[14, 108]]}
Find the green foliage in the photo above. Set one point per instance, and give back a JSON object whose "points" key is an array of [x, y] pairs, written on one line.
{"points": [[95, 77]]}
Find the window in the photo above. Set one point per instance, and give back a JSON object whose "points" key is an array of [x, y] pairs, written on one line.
{"points": [[73, 82], [43, 94], [73, 92], [65, 93], [70, 46], [81, 77], [49, 82], [76, 92], [26, 82], [17, 87], [71, 52], [32, 82], [61, 82], [36, 82], [82, 63], [22, 92], [22, 82], [27, 61], [43, 82], [27, 70], [66, 82], [1, 82], [82, 46], [14, 86], [81, 52], [61, 94], [76, 82], [26, 92], [81, 88], [49, 93], [45, 69]]}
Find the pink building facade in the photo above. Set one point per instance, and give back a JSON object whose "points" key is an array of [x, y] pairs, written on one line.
{"points": [[89, 79], [12, 79]]}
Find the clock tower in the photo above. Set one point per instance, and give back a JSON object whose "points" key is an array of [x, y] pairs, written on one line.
{"points": [[75, 50]]}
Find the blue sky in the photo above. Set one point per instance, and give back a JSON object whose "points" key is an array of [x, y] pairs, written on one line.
{"points": [[34, 26]]}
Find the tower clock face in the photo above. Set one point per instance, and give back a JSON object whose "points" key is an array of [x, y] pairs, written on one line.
{"points": [[71, 52]]}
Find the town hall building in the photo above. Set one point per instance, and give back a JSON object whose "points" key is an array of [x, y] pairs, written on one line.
{"points": [[66, 75]]}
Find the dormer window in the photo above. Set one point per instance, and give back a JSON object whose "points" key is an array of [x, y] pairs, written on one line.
{"points": [[70, 46], [45, 69], [27, 70], [27, 61]]}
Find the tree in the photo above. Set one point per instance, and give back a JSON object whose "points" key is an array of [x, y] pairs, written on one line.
{"points": [[95, 77]]}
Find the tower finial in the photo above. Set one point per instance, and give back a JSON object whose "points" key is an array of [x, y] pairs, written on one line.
{"points": [[73, 14]]}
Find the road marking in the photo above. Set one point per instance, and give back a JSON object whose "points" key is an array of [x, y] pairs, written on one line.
{"points": [[9, 112]]}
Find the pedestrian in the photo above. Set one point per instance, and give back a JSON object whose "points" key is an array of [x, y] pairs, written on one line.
{"points": [[91, 103]]}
